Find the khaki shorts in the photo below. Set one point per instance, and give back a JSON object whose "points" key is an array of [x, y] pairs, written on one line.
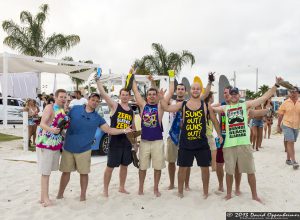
{"points": [[172, 151], [211, 143], [47, 160], [152, 150], [75, 161], [242, 156]]}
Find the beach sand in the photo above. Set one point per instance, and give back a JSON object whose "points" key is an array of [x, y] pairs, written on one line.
{"points": [[277, 185]]}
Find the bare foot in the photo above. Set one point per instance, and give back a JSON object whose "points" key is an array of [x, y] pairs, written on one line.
{"points": [[171, 187], [221, 189], [83, 198], [157, 193], [59, 197], [258, 200], [141, 192], [205, 196], [46, 203], [180, 195], [257, 149], [122, 190], [227, 197], [187, 188], [237, 193], [105, 194]]}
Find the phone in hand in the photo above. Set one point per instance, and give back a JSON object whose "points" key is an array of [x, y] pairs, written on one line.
{"points": [[99, 72], [61, 125]]}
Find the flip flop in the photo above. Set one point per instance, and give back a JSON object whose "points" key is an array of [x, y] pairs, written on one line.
{"points": [[135, 160]]}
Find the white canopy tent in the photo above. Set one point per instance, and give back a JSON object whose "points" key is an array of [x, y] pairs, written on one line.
{"points": [[12, 63]]}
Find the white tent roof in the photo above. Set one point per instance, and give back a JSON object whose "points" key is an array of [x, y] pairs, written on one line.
{"points": [[12, 63], [21, 64]]}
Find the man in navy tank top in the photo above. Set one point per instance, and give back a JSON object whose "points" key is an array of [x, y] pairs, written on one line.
{"points": [[119, 152], [193, 141]]}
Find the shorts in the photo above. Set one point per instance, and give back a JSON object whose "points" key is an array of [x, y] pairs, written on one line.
{"points": [[152, 150], [241, 156], [186, 157], [220, 157], [257, 123], [47, 160], [75, 161], [172, 151], [117, 156], [211, 143], [290, 134]]}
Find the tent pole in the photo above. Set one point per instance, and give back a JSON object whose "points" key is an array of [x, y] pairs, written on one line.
{"points": [[5, 81]]}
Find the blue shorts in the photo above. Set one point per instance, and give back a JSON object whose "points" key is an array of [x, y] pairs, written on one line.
{"points": [[257, 123], [290, 134]]}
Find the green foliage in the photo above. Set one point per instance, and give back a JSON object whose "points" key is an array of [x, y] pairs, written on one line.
{"points": [[30, 39], [7, 137], [161, 61]]}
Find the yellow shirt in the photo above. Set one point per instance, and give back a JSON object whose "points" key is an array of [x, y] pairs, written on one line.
{"points": [[291, 113]]}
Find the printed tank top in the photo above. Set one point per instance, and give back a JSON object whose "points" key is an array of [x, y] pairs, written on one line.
{"points": [[151, 129], [193, 133], [121, 119]]}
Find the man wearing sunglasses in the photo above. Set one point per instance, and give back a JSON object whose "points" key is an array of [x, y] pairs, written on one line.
{"points": [[80, 136], [289, 123]]}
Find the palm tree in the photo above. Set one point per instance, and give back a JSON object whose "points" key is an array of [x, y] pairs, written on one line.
{"points": [[249, 94], [263, 89], [29, 39], [161, 61]]}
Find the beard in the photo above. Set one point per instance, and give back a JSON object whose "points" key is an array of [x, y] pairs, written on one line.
{"points": [[195, 96]]}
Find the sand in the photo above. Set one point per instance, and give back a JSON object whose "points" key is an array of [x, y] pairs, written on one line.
{"points": [[277, 184]]}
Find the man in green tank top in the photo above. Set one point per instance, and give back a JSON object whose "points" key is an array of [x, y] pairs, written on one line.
{"points": [[237, 149]]}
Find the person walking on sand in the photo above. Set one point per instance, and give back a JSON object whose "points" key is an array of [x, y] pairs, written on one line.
{"points": [[237, 150], [289, 116], [49, 142], [80, 136], [119, 152]]}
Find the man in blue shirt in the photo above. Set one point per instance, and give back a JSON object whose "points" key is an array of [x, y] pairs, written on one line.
{"points": [[80, 135]]}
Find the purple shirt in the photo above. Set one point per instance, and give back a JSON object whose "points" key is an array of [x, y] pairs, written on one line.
{"points": [[151, 129]]}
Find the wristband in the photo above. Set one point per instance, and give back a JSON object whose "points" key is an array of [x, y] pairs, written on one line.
{"points": [[277, 85]]}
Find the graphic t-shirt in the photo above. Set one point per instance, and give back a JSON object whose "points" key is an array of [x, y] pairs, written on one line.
{"points": [[237, 131], [151, 129], [121, 119], [193, 133]]}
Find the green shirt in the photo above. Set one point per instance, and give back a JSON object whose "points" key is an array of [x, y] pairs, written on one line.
{"points": [[237, 131]]}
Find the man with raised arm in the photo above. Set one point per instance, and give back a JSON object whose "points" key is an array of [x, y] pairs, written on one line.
{"points": [[193, 141], [119, 152], [173, 139], [237, 150], [152, 146]]}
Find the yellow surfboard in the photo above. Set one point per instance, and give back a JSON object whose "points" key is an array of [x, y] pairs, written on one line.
{"points": [[198, 80]]}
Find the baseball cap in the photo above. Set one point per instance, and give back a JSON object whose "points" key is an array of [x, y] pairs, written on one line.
{"points": [[94, 95], [234, 90]]}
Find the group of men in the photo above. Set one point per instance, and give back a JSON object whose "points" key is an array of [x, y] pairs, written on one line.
{"points": [[191, 142]]}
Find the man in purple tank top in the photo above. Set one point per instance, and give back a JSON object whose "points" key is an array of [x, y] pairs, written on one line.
{"points": [[152, 145]]}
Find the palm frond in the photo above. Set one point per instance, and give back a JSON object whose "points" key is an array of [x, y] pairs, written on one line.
{"points": [[26, 17]]}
